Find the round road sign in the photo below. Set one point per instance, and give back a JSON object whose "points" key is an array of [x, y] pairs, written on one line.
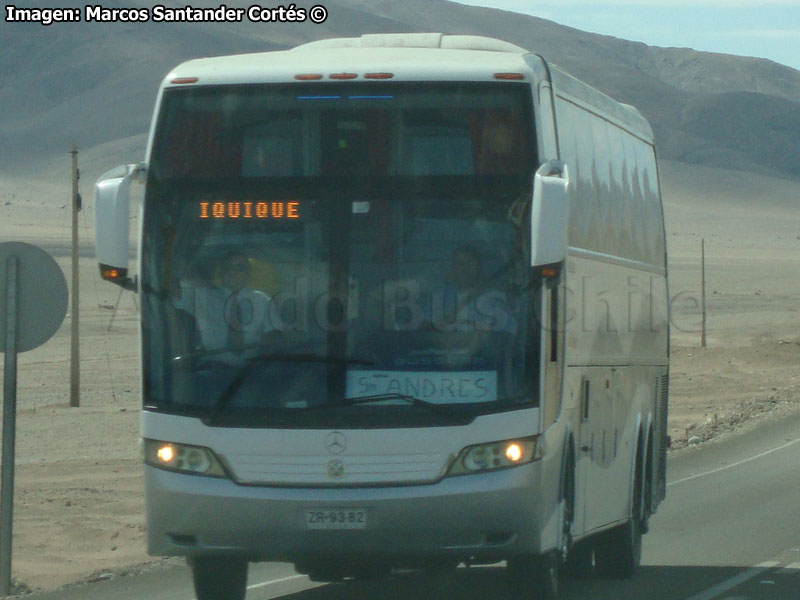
{"points": [[41, 295]]}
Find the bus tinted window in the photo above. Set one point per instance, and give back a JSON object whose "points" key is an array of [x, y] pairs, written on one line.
{"points": [[327, 129]]}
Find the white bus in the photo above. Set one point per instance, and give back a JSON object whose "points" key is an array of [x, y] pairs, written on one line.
{"points": [[403, 304]]}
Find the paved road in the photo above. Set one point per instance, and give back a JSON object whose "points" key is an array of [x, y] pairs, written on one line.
{"points": [[729, 530]]}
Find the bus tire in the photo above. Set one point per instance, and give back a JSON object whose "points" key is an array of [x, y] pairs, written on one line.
{"points": [[368, 572], [219, 577], [535, 577], [441, 568], [324, 575], [567, 512], [619, 550], [577, 558], [580, 561]]}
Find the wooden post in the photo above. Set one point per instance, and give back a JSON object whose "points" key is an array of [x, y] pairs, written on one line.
{"points": [[75, 350], [703, 291]]}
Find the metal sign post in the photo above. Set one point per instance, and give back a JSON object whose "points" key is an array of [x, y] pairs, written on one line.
{"points": [[9, 317], [33, 302]]}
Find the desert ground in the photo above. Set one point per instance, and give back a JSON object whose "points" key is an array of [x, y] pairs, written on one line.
{"points": [[79, 509]]}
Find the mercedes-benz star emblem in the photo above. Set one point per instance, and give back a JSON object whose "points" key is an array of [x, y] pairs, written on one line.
{"points": [[336, 443]]}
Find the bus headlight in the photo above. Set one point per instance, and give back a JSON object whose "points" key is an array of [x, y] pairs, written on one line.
{"points": [[182, 458], [496, 455]]}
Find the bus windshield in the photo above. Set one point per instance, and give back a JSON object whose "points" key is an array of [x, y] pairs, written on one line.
{"points": [[339, 253]]}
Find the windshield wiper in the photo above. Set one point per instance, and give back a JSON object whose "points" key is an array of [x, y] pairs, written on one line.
{"points": [[509, 401], [225, 397], [412, 400]]}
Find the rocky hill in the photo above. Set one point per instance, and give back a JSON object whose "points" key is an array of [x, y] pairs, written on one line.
{"points": [[95, 83]]}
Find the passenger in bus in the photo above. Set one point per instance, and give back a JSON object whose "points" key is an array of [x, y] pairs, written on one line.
{"points": [[231, 317], [468, 302]]}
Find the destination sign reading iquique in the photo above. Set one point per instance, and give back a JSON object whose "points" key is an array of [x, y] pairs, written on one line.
{"points": [[250, 210]]}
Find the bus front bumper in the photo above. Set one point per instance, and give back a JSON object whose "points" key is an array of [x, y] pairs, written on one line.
{"points": [[480, 516]]}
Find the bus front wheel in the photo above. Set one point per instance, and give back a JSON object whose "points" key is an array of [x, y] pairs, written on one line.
{"points": [[619, 550], [535, 577], [219, 577]]}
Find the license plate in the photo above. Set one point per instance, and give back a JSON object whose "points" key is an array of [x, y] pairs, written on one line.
{"points": [[336, 518]]}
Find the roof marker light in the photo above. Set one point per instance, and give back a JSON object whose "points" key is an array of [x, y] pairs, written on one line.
{"points": [[308, 77], [181, 80], [509, 76], [378, 75], [342, 76]]}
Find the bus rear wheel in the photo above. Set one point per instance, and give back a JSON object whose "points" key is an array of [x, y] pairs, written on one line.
{"points": [[219, 577]]}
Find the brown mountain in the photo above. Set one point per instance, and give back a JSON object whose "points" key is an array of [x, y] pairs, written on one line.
{"points": [[95, 83]]}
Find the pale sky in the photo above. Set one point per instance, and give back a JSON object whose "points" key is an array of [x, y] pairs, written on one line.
{"points": [[763, 28]]}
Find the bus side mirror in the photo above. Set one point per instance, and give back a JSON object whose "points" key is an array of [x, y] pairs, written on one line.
{"points": [[549, 212], [112, 223]]}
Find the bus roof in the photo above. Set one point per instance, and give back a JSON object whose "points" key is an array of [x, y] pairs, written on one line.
{"points": [[417, 40], [406, 56], [409, 57], [624, 114]]}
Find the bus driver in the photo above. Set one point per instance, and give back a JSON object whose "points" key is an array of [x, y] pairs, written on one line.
{"points": [[231, 318]]}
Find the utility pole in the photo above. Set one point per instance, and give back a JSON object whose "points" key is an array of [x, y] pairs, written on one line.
{"points": [[703, 291], [75, 350]]}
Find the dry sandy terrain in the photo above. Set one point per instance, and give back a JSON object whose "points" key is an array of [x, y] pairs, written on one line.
{"points": [[79, 506]]}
